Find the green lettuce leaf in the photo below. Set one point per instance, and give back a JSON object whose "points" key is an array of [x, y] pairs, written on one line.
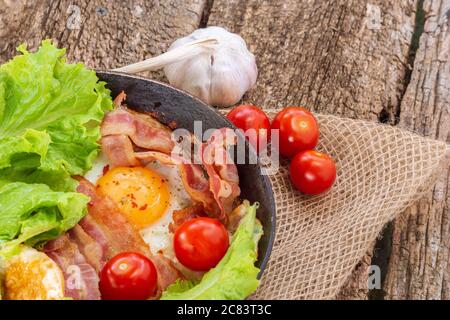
{"points": [[58, 180], [20, 160], [42, 89], [50, 115], [235, 277], [41, 92], [33, 213], [24, 151]]}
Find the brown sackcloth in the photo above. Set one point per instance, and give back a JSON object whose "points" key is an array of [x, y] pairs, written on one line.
{"points": [[319, 240]]}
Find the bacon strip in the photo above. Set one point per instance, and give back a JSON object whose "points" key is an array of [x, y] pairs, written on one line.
{"points": [[81, 280], [119, 99], [221, 170], [89, 247], [143, 130], [90, 227], [107, 224], [193, 177], [111, 223], [148, 156], [167, 272], [119, 150], [185, 214]]}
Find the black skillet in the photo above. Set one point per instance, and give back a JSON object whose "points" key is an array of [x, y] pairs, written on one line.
{"points": [[170, 104]]}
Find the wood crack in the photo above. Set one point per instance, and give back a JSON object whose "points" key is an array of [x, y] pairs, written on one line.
{"points": [[206, 13], [391, 114], [384, 243], [420, 259], [341, 57]]}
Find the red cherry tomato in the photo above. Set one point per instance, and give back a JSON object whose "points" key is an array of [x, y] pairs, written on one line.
{"points": [[128, 276], [247, 117], [200, 243], [298, 130], [312, 172]]}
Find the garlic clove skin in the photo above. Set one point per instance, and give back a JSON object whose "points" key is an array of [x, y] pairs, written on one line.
{"points": [[220, 76], [195, 77], [231, 78]]}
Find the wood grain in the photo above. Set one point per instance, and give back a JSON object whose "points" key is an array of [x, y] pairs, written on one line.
{"points": [[356, 286], [419, 266], [347, 58], [342, 57], [104, 34]]}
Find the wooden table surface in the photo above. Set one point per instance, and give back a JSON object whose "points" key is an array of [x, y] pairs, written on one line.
{"points": [[381, 60]]}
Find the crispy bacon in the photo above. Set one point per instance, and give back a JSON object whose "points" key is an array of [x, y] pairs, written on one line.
{"points": [[197, 186], [120, 98], [111, 223], [185, 214], [148, 156], [119, 150], [221, 170], [88, 246], [143, 130], [81, 279], [91, 228], [167, 272], [219, 156], [193, 177], [106, 223]]}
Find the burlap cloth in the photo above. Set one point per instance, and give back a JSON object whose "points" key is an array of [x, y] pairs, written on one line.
{"points": [[320, 239]]}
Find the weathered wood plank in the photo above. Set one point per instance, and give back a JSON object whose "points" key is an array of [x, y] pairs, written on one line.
{"points": [[343, 57], [348, 58], [103, 34], [419, 265], [355, 288]]}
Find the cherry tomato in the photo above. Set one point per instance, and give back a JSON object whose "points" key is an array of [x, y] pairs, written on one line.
{"points": [[200, 243], [247, 117], [298, 130], [312, 172], [128, 276]]}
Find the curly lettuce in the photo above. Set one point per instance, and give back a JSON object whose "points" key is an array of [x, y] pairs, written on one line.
{"points": [[235, 277], [65, 102], [50, 115], [33, 213]]}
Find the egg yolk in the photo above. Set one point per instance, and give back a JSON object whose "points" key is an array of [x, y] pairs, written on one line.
{"points": [[140, 193], [38, 279]]}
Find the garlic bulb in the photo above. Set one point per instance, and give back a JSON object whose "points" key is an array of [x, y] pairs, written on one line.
{"points": [[212, 64]]}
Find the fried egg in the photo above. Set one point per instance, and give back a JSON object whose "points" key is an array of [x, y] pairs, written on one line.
{"points": [[32, 275], [146, 195], [140, 193]]}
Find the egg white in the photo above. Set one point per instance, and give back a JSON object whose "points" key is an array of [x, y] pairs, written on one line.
{"points": [[98, 166], [157, 234]]}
